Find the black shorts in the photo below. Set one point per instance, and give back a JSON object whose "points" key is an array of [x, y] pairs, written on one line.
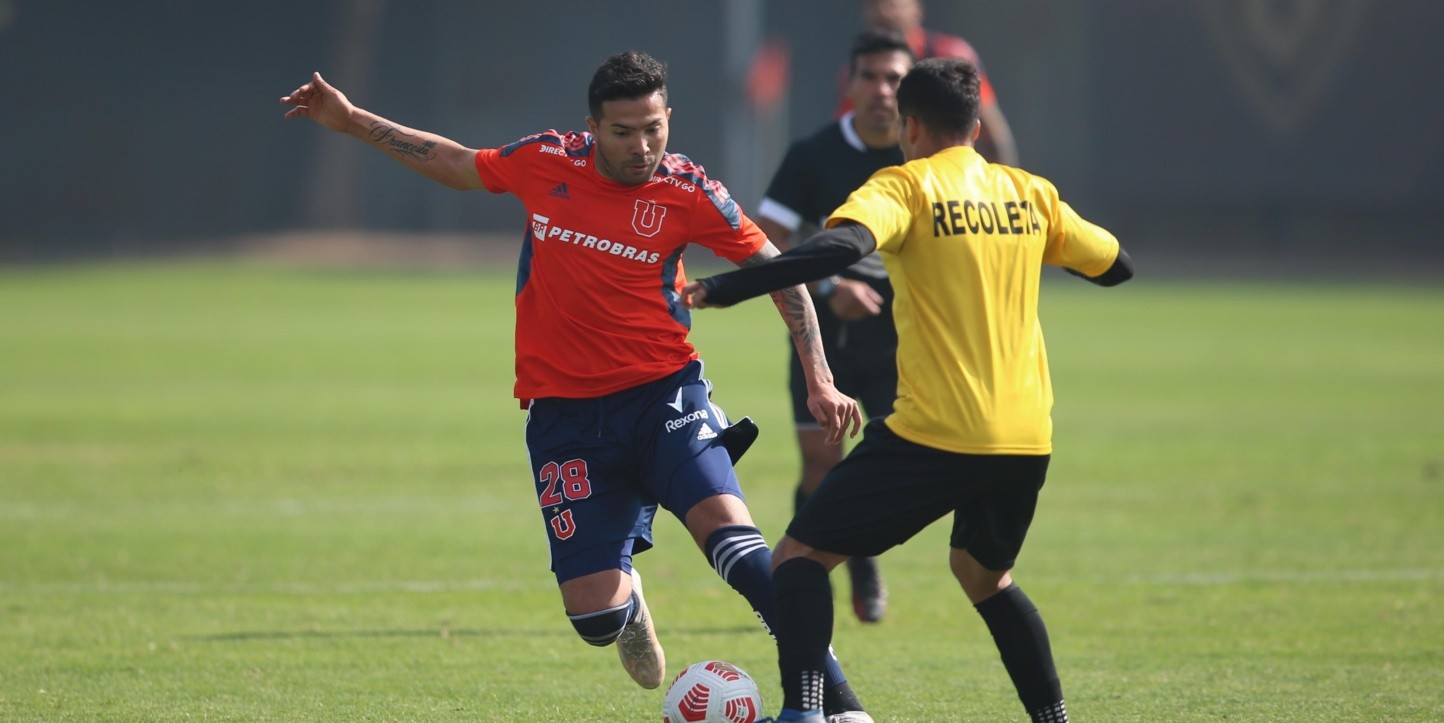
{"points": [[862, 356], [888, 489]]}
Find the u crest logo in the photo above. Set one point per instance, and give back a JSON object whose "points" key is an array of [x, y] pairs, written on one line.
{"points": [[563, 526], [647, 218]]}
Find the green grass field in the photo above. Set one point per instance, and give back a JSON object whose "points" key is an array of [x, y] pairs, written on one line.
{"points": [[245, 493]]}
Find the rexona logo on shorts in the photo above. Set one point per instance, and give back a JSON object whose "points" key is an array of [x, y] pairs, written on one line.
{"points": [[676, 424]]}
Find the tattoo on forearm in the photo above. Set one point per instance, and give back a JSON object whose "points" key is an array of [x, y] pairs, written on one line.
{"points": [[389, 138], [796, 308]]}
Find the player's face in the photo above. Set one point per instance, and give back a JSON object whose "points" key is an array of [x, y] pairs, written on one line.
{"points": [[873, 89], [631, 138]]}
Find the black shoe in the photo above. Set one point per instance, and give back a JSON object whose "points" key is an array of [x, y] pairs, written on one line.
{"points": [[869, 594]]}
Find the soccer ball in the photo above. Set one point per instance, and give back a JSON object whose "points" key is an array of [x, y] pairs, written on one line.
{"points": [[712, 692]]}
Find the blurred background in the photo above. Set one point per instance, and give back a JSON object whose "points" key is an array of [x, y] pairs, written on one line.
{"points": [[1225, 135]]}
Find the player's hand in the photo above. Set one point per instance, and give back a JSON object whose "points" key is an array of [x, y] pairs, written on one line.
{"points": [[320, 102], [853, 300], [838, 413], [694, 296]]}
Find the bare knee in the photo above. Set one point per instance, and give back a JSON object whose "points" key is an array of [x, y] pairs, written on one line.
{"points": [[596, 591], [979, 583], [788, 549], [714, 513], [599, 605]]}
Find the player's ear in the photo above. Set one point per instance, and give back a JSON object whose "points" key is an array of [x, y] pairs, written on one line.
{"points": [[912, 128], [976, 131], [592, 125]]}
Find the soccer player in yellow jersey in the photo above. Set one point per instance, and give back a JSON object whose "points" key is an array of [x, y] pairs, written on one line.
{"points": [[971, 433]]}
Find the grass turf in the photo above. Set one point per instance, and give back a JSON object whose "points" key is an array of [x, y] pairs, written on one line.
{"points": [[246, 493]]}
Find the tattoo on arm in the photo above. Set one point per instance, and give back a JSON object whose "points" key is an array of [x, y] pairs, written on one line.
{"points": [[387, 137], [795, 305]]}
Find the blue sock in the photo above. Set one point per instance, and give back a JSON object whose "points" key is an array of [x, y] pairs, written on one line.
{"points": [[740, 555]]}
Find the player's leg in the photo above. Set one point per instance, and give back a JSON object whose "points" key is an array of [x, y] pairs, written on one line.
{"points": [[804, 625], [691, 474], [595, 519], [877, 497], [869, 596], [869, 362], [817, 455], [987, 536], [616, 612]]}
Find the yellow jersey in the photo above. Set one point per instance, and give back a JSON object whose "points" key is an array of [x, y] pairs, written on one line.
{"points": [[964, 242]]}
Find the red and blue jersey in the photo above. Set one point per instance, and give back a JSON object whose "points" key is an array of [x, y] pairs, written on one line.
{"points": [[598, 289]]}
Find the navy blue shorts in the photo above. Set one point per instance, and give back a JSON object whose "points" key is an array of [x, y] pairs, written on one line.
{"points": [[888, 489], [603, 465]]}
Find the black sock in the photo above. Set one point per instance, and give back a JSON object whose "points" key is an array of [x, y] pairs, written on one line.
{"points": [[804, 631], [1056, 713], [1022, 641]]}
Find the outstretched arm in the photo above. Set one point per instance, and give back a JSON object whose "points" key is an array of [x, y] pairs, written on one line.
{"points": [[436, 157], [836, 412], [822, 255]]}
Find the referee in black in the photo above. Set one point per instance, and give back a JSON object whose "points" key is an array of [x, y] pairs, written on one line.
{"points": [[854, 308]]}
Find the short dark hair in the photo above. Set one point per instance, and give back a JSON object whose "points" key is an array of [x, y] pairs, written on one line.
{"points": [[877, 40], [626, 76], [942, 93]]}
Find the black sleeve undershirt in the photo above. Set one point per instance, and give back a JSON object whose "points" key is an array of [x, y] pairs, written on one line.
{"points": [[1119, 272], [819, 257]]}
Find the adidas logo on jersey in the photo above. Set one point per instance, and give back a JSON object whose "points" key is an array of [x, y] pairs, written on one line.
{"points": [[560, 191], [706, 432]]}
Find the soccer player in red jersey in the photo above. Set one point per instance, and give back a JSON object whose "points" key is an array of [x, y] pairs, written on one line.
{"points": [[620, 418]]}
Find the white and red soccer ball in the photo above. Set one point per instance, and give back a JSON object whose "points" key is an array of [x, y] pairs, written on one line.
{"points": [[712, 692]]}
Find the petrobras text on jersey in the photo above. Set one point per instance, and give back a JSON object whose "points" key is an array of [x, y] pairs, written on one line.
{"points": [[588, 241], [680, 422]]}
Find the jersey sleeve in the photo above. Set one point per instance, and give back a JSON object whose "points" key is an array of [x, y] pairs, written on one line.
{"points": [[786, 201], [884, 205], [721, 226], [506, 169], [1074, 242], [498, 172]]}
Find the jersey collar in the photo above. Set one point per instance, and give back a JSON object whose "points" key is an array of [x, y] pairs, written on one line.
{"points": [[849, 134]]}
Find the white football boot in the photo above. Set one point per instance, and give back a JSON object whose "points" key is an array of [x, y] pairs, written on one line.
{"points": [[638, 647]]}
